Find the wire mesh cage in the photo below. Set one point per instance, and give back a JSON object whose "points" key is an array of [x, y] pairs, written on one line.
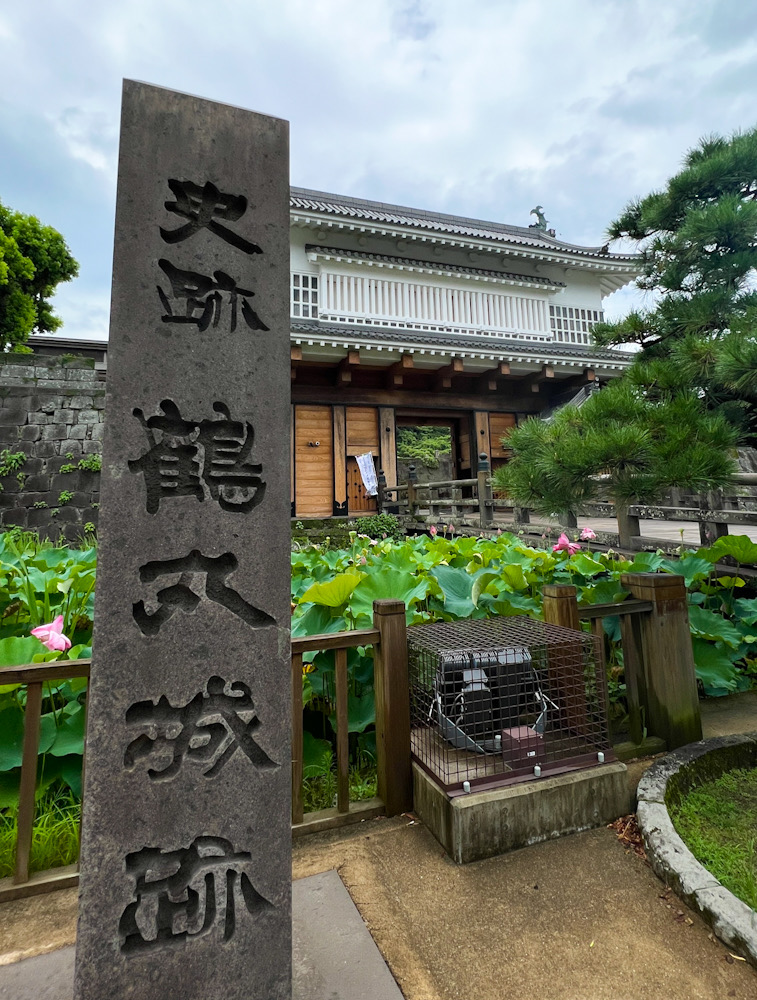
{"points": [[492, 699]]}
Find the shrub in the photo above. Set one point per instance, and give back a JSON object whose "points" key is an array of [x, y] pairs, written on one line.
{"points": [[382, 526]]}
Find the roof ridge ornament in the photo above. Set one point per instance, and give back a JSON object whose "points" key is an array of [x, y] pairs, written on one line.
{"points": [[541, 223]]}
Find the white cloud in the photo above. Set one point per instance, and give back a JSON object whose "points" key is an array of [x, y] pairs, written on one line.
{"points": [[483, 108]]}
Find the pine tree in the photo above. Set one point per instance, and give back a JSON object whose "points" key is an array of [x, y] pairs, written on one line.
{"points": [[674, 418]]}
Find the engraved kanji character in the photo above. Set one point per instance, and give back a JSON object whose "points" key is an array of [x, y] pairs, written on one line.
{"points": [[202, 207], [171, 466], [227, 443], [198, 579], [193, 733], [185, 894], [204, 297]]}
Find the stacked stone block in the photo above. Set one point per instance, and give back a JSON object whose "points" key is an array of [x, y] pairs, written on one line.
{"points": [[52, 411]]}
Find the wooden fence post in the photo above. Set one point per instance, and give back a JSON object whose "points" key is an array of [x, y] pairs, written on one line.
{"points": [[486, 511], [668, 660], [561, 606], [298, 809], [26, 799], [395, 776], [565, 662]]}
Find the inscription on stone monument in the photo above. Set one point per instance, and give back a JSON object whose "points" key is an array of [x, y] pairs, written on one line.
{"points": [[185, 894], [206, 459], [186, 867], [205, 731]]}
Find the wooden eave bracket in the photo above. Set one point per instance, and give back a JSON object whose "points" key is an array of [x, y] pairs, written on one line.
{"points": [[295, 355], [443, 379], [534, 381], [487, 381], [395, 373], [344, 372]]}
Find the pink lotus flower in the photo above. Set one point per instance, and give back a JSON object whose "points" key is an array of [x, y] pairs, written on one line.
{"points": [[51, 635], [432, 531], [564, 544], [451, 529], [587, 535]]}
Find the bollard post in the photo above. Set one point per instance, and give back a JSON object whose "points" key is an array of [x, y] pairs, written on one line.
{"points": [[381, 497], [628, 527], [709, 531], [412, 493], [486, 511]]}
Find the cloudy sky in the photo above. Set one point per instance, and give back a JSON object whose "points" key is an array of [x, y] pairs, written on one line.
{"points": [[476, 107]]}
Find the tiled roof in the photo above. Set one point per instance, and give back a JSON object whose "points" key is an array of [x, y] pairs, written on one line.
{"points": [[431, 265], [463, 342], [374, 211]]}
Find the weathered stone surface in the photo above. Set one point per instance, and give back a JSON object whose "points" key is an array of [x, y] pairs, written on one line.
{"points": [[731, 919], [188, 755]]}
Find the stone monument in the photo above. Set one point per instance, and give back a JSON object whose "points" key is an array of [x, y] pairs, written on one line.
{"points": [[186, 847]]}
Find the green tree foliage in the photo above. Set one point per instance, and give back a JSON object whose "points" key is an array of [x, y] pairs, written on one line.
{"points": [[691, 392], [619, 445], [423, 444], [698, 245], [34, 259]]}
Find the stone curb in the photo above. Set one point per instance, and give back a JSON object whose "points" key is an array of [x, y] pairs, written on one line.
{"points": [[733, 921]]}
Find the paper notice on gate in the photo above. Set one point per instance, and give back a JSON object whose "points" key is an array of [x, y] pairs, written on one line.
{"points": [[368, 473]]}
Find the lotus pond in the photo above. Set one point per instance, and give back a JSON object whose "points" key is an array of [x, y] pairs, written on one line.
{"points": [[445, 577]]}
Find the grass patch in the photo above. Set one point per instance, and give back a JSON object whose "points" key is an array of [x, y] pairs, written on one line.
{"points": [[55, 840], [718, 823], [319, 789]]}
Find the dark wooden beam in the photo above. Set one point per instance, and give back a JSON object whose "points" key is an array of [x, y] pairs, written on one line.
{"points": [[577, 381], [518, 401]]}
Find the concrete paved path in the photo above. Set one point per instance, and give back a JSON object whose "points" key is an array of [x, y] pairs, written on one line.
{"points": [[334, 956], [578, 918]]}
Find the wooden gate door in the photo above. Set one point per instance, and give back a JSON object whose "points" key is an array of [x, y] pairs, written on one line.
{"points": [[313, 461], [358, 501]]}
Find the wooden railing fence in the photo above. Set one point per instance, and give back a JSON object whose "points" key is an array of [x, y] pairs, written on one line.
{"points": [[473, 502], [659, 674], [395, 784], [658, 659], [34, 676]]}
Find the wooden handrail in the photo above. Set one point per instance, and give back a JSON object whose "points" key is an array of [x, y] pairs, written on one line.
{"points": [[632, 607], [32, 673], [335, 640], [446, 484]]}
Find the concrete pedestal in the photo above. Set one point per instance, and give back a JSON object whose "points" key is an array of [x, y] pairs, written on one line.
{"points": [[482, 824]]}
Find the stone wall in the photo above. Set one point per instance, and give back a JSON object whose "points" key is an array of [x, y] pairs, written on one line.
{"points": [[52, 411]]}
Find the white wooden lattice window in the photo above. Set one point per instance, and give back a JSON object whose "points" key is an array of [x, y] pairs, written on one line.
{"points": [[305, 296], [573, 325]]}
